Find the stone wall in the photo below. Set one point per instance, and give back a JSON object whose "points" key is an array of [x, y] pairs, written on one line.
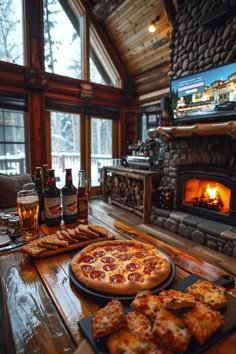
{"points": [[198, 44]]}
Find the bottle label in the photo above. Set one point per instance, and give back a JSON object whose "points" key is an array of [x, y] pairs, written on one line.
{"points": [[70, 204], [52, 208], [82, 207]]}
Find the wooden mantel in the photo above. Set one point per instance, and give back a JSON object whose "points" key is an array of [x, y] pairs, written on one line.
{"points": [[166, 133]]}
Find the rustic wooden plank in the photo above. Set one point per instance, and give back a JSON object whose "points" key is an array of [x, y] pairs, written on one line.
{"points": [[123, 12], [35, 323], [6, 339], [72, 305]]}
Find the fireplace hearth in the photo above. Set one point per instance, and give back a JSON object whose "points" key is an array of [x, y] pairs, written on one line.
{"points": [[208, 192]]}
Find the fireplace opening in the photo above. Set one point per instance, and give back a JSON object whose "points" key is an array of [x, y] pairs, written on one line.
{"points": [[208, 192]]}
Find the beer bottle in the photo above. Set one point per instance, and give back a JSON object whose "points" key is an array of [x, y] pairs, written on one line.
{"points": [[82, 199], [38, 179], [69, 199], [45, 175], [52, 201]]}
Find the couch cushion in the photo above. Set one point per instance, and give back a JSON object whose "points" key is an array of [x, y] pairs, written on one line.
{"points": [[9, 186]]}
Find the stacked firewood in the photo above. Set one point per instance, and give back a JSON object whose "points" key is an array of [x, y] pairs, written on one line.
{"points": [[126, 190]]}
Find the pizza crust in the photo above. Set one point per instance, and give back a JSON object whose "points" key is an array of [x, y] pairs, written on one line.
{"points": [[85, 265]]}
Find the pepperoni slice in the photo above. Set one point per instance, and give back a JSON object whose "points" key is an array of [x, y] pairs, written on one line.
{"points": [[132, 267], [99, 253], [86, 268], [108, 267], [107, 260], [151, 261], [136, 277], [149, 269], [122, 248], [117, 278], [97, 274], [141, 254], [110, 248], [87, 259], [125, 256]]}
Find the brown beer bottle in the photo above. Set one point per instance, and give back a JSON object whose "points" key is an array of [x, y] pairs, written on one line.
{"points": [[82, 199], [69, 199], [52, 201], [45, 175], [38, 179]]}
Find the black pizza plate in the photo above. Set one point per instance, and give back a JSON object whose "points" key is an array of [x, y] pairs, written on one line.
{"points": [[99, 346], [102, 297]]}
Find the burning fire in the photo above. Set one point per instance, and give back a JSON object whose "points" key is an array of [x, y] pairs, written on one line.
{"points": [[206, 193], [210, 198], [212, 192]]}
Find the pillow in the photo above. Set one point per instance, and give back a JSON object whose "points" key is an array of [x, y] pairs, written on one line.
{"points": [[9, 186]]}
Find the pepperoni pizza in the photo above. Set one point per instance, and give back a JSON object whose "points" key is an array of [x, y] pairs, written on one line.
{"points": [[120, 267]]}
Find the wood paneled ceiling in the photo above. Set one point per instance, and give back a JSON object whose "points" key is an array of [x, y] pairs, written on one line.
{"points": [[145, 55]]}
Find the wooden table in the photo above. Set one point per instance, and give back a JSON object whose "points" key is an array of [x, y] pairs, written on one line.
{"points": [[40, 307]]}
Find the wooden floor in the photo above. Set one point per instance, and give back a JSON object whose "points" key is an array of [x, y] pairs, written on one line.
{"points": [[209, 255]]}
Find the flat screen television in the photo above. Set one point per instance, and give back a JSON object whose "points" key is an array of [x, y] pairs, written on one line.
{"points": [[206, 96]]}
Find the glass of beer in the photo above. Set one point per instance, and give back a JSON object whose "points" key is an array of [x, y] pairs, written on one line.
{"points": [[28, 211]]}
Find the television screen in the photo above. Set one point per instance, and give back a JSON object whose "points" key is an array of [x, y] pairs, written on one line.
{"points": [[205, 96]]}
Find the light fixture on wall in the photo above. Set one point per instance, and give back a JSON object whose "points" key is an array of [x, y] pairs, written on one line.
{"points": [[153, 25]]}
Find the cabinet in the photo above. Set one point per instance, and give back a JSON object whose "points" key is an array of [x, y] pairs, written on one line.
{"points": [[130, 189]]}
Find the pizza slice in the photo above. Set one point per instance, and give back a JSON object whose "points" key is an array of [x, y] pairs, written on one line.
{"points": [[86, 230], [202, 321], [147, 303], [172, 332], [140, 325], [102, 231], [208, 293], [125, 342], [33, 248], [108, 319], [52, 241], [64, 235], [176, 300]]}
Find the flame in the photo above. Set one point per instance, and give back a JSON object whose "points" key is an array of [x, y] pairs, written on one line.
{"points": [[212, 191]]}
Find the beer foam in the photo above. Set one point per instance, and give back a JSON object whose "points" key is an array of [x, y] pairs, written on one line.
{"points": [[28, 199]]}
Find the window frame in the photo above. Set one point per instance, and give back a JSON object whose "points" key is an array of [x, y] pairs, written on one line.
{"points": [[107, 99]]}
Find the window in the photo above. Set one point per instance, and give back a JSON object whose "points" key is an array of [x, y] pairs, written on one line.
{"points": [[62, 42], [101, 147], [60, 29], [102, 70], [65, 145], [12, 142], [11, 32]]}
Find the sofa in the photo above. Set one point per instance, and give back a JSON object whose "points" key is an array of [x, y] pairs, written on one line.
{"points": [[9, 186]]}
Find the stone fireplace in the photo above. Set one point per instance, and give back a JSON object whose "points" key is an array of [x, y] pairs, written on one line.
{"points": [[208, 192], [193, 168]]}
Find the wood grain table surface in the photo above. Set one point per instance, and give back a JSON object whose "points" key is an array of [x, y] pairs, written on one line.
{"points": [[41, 307]]}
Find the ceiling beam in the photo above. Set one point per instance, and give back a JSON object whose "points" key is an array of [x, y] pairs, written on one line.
{"points": [[170, 11], [108, 44], [103, 8]]}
